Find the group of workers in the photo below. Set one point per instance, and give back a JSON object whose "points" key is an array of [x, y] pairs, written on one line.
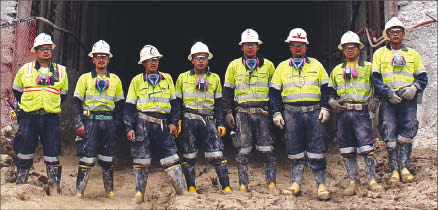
{"points": [[297, 97]]}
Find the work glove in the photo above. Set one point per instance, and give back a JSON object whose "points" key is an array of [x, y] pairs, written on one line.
{"points": [[373, 103], [409, 93], [178, 130], [394, 99], [336, 105], [278, 120], [324, 115], [222, 130], [229, 121]]}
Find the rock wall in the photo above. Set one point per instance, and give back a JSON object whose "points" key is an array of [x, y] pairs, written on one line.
{"points": [[424, 40]]}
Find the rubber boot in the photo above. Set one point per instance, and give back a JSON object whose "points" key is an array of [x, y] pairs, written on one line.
{"points": [[189, 174], [404, 157], [297, 170], [177, 178], [141, 177], [82, 180], [222, 174], [54, 175], [243, 176], [271, 175], [393, 161], [352, 167], [108, 181], [22, 174], [322, 194], [371, 173]]}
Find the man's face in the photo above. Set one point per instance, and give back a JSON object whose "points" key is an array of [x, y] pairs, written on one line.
{"points": [[44, 52], [250, 49], [152, 64], [298, 49], [200, 61], [350, 50], [395, 34], [101, 60]]}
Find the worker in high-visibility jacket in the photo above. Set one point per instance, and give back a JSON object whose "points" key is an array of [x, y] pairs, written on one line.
{"points": [[299, 93], [399, 77], [40, 87], [199, 95], [246, 90], [98, 101], [350, 94], [151, 114]]}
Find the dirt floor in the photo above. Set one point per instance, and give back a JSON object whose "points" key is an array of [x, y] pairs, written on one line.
{"points": [[160, 195]]}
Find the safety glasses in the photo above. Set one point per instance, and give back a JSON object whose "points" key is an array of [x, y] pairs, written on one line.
{"points": [[250, 44], [153, 60], [103, 57], [200, 58], [350, 47], [396, 31], [301, 45], [45, 48]]}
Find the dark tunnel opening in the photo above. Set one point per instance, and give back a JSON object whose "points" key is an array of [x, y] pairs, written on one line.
{"points": [[173, 27]]}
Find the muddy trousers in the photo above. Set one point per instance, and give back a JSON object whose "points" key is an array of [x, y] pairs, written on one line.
{"points": [[84, 174], [398, 125], [352, 167], [219, 165], [297, 172]]}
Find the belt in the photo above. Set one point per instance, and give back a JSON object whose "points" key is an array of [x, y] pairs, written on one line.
{"points": [[358, 107], [38, 112], [193, 116], [152, 119], [302, 108], [98, 117], [252, 110]]}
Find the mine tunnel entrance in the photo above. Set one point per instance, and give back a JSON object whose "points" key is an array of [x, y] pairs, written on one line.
{"points": [[173, 27]]}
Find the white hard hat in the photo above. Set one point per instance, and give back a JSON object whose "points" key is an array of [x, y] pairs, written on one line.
{"points": [[147, 52], [42, 39], [393, 22], [297, 35], [199, 47], [249, 35], [350, 37], [100, 47]]}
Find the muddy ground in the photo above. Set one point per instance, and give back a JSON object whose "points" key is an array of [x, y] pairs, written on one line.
{"points": [[160, 195]]}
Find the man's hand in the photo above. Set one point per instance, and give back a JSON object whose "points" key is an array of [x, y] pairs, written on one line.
{"points": [[395, 99], [222, 130], [80, 131], [131, 136], [324, 115], [410, 92], [336, 105], [278, 120], [172, 129], [229, 121], [373, 103]]}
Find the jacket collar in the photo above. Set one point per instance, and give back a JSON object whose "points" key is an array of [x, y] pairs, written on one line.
{"points": [[38, 66], [403, 47], [361, 62], [192, 71], [94, 73]]}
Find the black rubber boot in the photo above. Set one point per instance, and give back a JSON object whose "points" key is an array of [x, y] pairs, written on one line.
{"points": [[271, 172], [82, 180], [22, 174], [222, 173], [54, 175], [243, 176], [108, 181], [393, 159], [189, 173], [176, 176], [141, 177], [370, 167], [352, 167], [404, 155], [297, 171]]}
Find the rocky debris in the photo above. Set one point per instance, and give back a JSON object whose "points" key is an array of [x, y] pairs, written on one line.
{"points": [[6, 160]]}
